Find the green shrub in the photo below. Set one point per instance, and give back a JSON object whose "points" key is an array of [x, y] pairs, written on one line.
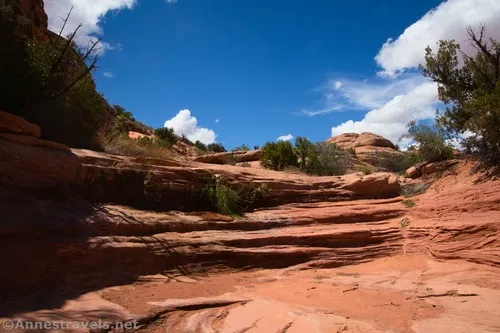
{"points": [[397, 162], [231, 198], [278, 155], [216, 148], [243, 147], [200, 145], [366, 170], [122, 113], [327, 159], [431, 142], [167, 135], [303, 148]]}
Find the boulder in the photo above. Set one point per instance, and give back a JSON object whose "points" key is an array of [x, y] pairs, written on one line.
{"points": [[10, 123], [412, 172]]}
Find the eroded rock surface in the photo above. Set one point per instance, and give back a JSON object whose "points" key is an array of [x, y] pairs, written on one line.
{"points": [[90, 236]]}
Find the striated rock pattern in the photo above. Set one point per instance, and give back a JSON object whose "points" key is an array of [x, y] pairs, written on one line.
{"points": [[319, 254]]}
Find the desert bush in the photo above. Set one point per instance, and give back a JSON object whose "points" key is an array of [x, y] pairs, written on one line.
{"points": [[167, 135], [243, 147], [120, 144], [200, 145], [256, 147], [278, 155], [327, 159], [471, 91], [431, 141], [366, 170], [303, 148], [122, 113], [232, 198], [397, 162], [216, 148], [245, 164]]}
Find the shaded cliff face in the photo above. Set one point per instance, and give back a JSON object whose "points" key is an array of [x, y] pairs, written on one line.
{"points": [[23, 19]]}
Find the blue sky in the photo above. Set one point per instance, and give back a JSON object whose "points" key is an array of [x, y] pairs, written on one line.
{"points": [[250, 71]]}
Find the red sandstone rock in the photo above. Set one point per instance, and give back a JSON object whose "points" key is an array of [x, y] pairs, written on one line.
{"points": [[10, 123]]}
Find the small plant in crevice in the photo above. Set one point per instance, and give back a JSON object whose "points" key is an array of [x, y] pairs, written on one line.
{"points": [[410, 190], [404, 222], [230, 198], [408, 203], [148, 187]]}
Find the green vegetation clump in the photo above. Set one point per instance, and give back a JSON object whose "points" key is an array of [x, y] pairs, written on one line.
{"points": [[431, 141], [397, 163], [327, 159], [232, 198], [216, 148], [471, 92], [278, 155], [167, 135], [243, 147], [200, 145], [321, 158]]}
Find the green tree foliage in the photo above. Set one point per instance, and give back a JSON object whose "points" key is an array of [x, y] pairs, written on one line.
{"points": [[278, 155], [471, 91], [303, 149], [327, 159], [243, 147], [216, 148], [200, 145], [167, 135], [431, 141], [122, 113]]}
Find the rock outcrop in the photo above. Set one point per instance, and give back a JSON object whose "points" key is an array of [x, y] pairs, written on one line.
{"points": [[368, 146], [230, 157]]}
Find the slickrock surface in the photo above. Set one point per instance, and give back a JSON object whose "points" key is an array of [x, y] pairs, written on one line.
{"points": [[84, 237]]}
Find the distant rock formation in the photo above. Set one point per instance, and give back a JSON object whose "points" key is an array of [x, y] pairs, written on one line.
{"points": [[368, 146]]}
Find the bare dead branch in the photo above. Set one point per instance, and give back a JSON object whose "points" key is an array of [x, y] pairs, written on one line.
{"points": [[65, 21], [77, 79]]}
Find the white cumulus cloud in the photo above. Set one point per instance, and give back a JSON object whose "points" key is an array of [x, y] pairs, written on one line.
{"points": [[447, 21], [338, 84], [109, 75], [89, 13], [287, 137], [183, 123], [390, 120]]}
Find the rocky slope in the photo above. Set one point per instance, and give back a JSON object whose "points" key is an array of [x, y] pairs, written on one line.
{"points": [[89, 236]]}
